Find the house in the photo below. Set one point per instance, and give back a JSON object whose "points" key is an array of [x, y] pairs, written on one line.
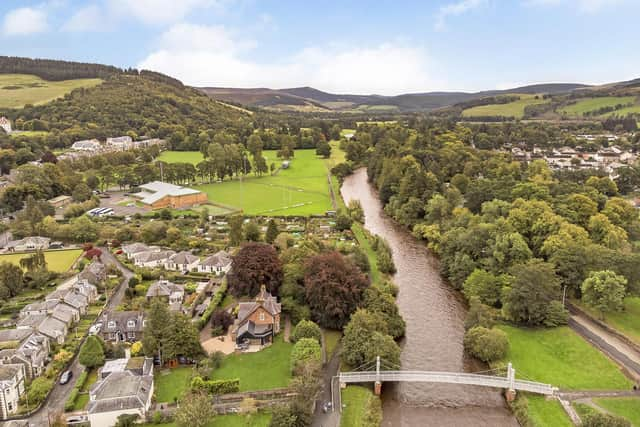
{"points": [[182, 261], [5, 124], [258, 321], [53, 329], [218, 263], [29, 244], [167, 291], [159, 194], [66, 314], [12, 378], [31, 322], [152, 259], [148, 142], [134, 248], [60, 201], [13, 338], [136, 365], [42, 307], [86, 145], [120, 392], [95, 273], [86, 289], [119, 326], [71, 298], [32, 353], [120, 143]]}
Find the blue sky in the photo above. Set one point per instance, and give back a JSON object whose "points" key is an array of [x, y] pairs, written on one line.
{"points": [[383, 46]]}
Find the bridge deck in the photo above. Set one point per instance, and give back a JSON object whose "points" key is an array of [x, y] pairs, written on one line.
{"points": [[446, 377]]}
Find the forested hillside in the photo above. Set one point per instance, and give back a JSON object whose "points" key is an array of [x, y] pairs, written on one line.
{"points": [[50, 69], [147, 104]]}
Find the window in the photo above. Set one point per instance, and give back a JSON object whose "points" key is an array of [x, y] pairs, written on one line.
{"points": [[111, 324], [144, 323], [261, 317], [131, 323], [10, 406], [131, 335]]}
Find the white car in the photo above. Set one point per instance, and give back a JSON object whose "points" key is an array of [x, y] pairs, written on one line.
{"points": [[95, 329]]}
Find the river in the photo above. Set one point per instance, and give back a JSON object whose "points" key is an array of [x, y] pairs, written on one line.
{"points": [[434, 314]]}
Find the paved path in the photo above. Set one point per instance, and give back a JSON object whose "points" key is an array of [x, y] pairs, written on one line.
{"points": [[608, 343], [330, 419]]}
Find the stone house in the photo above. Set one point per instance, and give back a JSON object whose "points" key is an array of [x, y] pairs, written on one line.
{"points": [[218, 263], [259, 321], [120, 326], [32, 353], [170, 292], [12, 377], [152, 259], [182, 261]]}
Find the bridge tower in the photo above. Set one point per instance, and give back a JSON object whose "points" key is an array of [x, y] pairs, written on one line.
{"points": [[511, 379], [377, 388]]}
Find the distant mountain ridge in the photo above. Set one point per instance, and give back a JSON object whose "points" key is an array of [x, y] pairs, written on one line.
{"points": [[311, 99]]}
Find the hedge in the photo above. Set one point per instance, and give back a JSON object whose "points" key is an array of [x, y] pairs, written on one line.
{"points": [[71, 400], [215, 302], [216, 387]]}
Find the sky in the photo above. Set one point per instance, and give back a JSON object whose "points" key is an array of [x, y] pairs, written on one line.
{"points": [[343, 46]]}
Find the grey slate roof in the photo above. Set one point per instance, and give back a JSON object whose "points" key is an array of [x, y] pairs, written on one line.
{"points": [[18, 335], [120, 390], [9, 371], [219, 259], [184, 257], [163, 288]]}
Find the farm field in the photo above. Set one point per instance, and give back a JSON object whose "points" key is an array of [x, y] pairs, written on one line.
{"points": [[58, 260], [511, 109], [560, 357], [302, 189], [16, 90], [592, 104], [626, 322], [624, 111]]}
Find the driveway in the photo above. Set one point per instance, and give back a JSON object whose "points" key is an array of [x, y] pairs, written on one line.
{"points": [[60, 393], [331, 418]]}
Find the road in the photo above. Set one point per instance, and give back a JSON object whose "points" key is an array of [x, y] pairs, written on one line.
{"points": [[331, 418], [58, 397]]}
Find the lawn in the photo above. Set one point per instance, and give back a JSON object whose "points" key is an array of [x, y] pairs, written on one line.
{"points": [[16, 90], [628, 408], [626, 322], [354, 401], [560, 357], [592, 104], [170, 384], [264, 370], [547, 413], [261, 419], [58, 260], [510, 109], [331, 339], [302, 189], [193, 157]]}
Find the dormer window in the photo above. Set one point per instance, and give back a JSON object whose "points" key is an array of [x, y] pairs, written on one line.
{"points": [[111, 324], [131, 323]]}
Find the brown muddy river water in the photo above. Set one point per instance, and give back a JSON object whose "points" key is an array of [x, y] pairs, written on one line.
{"points": [[435, 326]]}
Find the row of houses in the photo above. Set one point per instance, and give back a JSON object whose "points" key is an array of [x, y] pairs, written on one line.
{"points": [[92, 147], [154, 257]]}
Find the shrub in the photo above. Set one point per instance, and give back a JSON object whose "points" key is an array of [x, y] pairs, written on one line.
{"points": [[71, 400], [485, 344], [373, 412], [304, 351], [133, 281], [216, 387], [604, 420], [221, 319], [37, 391], [136, 348], [343, 221], [306, 329], [385, 257], [556, 315], [91, 353]]}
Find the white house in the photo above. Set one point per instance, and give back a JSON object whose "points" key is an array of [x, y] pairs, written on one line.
{"points": [[182, 261], [29, 244], [11, 388], [5, 124], [32, 353], [218, 263], [152, 259], [134, 248], [87, 145], [120, 143]]}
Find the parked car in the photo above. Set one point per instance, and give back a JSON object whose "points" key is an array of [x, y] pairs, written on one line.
{"points": [[66, 377]]}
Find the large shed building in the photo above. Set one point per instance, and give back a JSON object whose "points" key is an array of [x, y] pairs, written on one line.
{"points": [[159, 194]]}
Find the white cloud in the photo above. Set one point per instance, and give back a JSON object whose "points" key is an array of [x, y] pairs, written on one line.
{"points": [[455, 9], [212, 56], [586, 6], [90, 18], [157, 12], [24, 21]]}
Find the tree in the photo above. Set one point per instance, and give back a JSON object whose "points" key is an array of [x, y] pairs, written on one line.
{"points": [[485, 344], [598, 419], [384, 304], [235, 230], [195, 410], [343, 221], [81, 192], [256, 264], [157, 329], [272, 231], [365, 337], [334, 288], [91, 353], [305, 350], [533, 287], [11, 280], [251, 232], [604, 291], [323, 149], [306, 329], [484, 285], [127, 420]]}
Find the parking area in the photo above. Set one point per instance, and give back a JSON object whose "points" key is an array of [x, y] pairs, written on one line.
{"points": [[121, 204]]}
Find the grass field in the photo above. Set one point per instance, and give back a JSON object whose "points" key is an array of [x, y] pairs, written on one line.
{"points": [[626, 322], [547, 413], [354, 401], [593, 104], [58, 261], [267, 369], [511, 109], [16, 90], [628, 408], [302, 189], [193, 157], [624, 111], [170, 384], [560, 357]]}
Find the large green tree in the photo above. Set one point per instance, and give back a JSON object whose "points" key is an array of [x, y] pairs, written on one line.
{"points": [[604, 291], [91, 353]]}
